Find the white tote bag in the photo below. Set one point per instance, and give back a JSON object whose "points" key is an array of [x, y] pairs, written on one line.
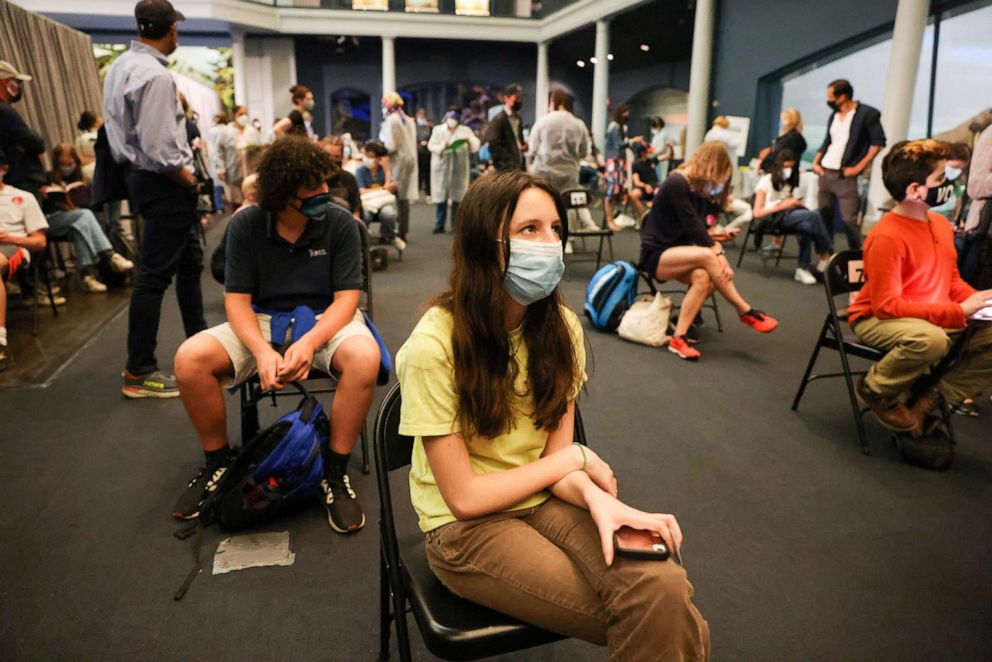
{"points": [[646, 322]]}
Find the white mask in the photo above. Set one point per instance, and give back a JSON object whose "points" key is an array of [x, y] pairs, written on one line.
{"points": [[451, 122], [368, 162], [786, 173], [242, 120]]}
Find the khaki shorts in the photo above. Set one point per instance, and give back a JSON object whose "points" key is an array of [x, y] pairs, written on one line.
{"points": [[244, 362]]}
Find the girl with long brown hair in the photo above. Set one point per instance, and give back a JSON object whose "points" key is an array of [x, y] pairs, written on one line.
{"points": [[676, 244], [517, 517]]}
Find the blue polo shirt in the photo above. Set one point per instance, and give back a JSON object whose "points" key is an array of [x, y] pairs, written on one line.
{"points": [[280, 276]]}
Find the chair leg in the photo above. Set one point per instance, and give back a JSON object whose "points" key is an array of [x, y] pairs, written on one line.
{"points": [[249, 412], [747, 237], [855, 407], [364, 440], [781, 249], [46, 276], [599, 253], [716, 313], [34, 303], [810, 365], [609, 243], [384, 616], [402, 634]]}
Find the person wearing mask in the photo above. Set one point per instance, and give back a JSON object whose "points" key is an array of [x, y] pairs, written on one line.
{"points": [[22, 231], [557, 143], [517, 517], [675, 243], [146, 129], [88, 126], [644, 179], [341, 184], [914, 301], [450, 145], [247, 143], [295, 123], [615, 153], [424, 128], [720, 132], [956, 169], [266, 276], [505, 132], [378, 190], [662, 147], [68, 218], [790, 137], [854, 137], [23, 145], [399, 135], [779, 196], [225, 158]]}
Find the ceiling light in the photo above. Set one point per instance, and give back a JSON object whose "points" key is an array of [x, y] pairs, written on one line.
{"points": [[341, 39], [580, 63], [610, 57], [645, 48], [593, 60]]}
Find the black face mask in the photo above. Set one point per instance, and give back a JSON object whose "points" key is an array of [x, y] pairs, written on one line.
{"points": [[833, 105], [938, 195], [517, 105]]}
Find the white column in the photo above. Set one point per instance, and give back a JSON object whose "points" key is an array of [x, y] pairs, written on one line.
{"points": [[541, 88], [900, 82], [388, 65], [699, 74], [600, 82], [239, 64]]}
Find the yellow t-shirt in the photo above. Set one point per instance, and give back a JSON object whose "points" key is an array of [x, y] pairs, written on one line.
{"points": [[430, 408]]}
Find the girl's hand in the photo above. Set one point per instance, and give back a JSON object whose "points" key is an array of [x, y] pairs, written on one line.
{"points": [[610, 514], [600, 472]]}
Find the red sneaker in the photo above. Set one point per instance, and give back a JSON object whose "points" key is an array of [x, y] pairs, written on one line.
{"points": [[759, 321], [678, 346]]}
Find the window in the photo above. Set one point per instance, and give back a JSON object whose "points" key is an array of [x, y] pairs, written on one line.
{"points": [[472, 7], [964, 67], [370, 5], [426, 6]]}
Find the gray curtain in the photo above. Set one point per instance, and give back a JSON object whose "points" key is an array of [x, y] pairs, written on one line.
{"points": [[60, 60]]}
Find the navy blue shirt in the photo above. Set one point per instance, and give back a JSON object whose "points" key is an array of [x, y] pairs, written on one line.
{"points": [[280, 276], [366, 179]]}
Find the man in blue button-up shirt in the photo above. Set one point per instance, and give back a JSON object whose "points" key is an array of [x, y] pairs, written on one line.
{"points": [[146, 129]]}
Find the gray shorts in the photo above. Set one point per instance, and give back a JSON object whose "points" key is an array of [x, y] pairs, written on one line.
{"points": [[244, 361]]}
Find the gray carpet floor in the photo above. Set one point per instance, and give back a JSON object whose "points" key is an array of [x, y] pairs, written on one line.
{"points": [[799, 546]]}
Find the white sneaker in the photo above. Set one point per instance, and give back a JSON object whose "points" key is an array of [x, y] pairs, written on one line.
{"points": [[399, 244], [821, 266], [805, 277], [120, 264], [92, 285], [568, 247]]}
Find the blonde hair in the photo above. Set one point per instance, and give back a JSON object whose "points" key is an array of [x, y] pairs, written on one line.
{"points": [[721, 121], [708, 166], [249, 187], [793, 120]]}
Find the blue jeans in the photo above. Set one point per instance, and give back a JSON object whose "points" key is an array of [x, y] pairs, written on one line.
{"points": [[386, 216], [441, 215], [809, 229], [81, 226]]}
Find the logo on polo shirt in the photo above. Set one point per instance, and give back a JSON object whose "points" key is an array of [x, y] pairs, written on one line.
{"points": [[318, 252], [17, 200]]}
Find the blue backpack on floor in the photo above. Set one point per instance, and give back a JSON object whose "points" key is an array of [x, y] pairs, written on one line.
{"points": [[610, 293], [279, 467]]}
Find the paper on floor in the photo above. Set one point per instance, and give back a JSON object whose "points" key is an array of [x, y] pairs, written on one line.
{"points": [[253, 550]]}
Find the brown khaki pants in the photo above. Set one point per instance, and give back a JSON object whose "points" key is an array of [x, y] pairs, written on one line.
{"points": [[544, 565], [837, 190], [914, 345]]}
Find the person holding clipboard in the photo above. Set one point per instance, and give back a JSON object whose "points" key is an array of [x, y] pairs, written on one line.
{"points": [[450, 145]]}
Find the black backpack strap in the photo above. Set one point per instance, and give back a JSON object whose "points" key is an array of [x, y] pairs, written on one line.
{"points": [[195, 530]]}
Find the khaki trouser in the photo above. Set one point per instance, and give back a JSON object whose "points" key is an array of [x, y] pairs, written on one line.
{"points": [[914, 345], [545, 566]]}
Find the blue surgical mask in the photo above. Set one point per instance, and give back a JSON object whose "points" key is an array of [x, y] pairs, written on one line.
{"points": [[714, 191], [534, 270], [952, 173], [316, 205]]}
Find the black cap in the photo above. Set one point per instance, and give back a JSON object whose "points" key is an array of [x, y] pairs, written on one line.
{"points": [[513, 89], [156, 12]]}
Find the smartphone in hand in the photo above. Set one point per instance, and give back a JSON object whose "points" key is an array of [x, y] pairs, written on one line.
{"points": [[636, 544]]}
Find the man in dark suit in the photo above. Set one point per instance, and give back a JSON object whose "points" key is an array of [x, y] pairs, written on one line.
{"points": [[854, 137], [505, 134]]}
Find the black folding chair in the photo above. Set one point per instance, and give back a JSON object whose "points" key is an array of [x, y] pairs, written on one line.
{"points": [[453, 628], [576, 199], [765, 227], [39, 267], [654, 287], [251, 393], [844, 275]]}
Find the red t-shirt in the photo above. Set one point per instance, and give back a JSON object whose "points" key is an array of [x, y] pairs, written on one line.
{"points": [[911, 271]]}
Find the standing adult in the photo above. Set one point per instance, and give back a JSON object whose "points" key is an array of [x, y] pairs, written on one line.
{"points": [[615, 153], [557, 143], [790, 137], [224, 154], [505, 134], [424, 128], [146, 129], [399, 135], [979, 179], [246, 139], [295, 123], [854, 137], [450, 145], [23, 145]]}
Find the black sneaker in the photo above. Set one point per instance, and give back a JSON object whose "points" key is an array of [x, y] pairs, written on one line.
{"points": [[344, 512], [203, 483]]}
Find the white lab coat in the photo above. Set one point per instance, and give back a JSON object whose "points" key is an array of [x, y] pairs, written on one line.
{"points": [[399, 134], [450, 170]]}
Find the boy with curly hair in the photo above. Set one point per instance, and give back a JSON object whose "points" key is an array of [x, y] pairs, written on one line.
{"points": [[294, 249]]}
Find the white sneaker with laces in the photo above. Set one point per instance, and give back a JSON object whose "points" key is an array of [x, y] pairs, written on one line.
{"points": [[805, 277], [92, 285], [120, 264], [568, 247], [399, 244]]}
